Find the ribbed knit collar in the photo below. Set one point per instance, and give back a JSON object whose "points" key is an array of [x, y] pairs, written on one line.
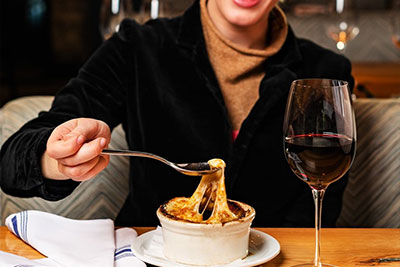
{"points": [[276, 34]]}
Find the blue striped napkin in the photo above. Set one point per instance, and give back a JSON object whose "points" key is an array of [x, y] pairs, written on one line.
{"points": [[71, 243]]}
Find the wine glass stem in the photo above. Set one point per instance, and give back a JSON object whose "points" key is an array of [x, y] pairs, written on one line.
{"points": [[318, 195]]}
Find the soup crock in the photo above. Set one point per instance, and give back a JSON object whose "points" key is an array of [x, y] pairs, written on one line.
{"points": [[206, 244]]}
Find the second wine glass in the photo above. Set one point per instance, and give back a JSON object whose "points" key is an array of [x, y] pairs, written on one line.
{"points": [[319, 139], [395, 23], [341, 24]]}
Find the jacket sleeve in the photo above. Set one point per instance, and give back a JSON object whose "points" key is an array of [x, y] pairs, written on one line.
{"points": [[98, 91]]}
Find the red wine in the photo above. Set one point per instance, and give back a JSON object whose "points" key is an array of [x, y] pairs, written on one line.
{"points": [[319, 159]]}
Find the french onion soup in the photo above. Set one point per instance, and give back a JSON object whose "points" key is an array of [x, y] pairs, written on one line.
{"points": [[206, 228], [209, 203]]}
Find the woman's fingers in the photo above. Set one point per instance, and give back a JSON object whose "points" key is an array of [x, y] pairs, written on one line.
{"points": [[86, 170], [67, 139], [61, 148], [101, 165], [87, 152], [74, 150]]}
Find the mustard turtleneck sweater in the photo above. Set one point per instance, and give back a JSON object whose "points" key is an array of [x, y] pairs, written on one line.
{"points": [[238, 69]]}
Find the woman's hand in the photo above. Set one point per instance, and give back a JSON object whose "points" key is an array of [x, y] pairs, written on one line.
{"points": [[73, 150]]}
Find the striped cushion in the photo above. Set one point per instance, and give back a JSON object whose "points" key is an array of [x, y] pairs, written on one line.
{"points": [[101, 197], [372, 197]]}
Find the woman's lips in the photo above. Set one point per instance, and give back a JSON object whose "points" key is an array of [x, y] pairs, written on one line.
{"points": [[246, 3]]}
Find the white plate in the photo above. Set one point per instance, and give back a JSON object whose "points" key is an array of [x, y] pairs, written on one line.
{"points": [[262, 248]]}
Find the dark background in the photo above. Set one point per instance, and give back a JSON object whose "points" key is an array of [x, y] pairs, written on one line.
{"points": [[44, 42]]}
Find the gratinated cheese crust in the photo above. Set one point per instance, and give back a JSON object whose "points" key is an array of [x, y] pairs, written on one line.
{"points": [[209, 197]]}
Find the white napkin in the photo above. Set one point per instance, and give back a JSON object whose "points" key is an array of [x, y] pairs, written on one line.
{"points": [[124, 257], [11, 260], [71, 243]]}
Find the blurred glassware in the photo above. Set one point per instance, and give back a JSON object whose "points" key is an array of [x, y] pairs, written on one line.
{"points": [[342, 23], [112, 12], [395, 23]]}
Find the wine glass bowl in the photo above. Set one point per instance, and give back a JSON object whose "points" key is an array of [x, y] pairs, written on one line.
{"points": [[319, 138], [319, 159]]}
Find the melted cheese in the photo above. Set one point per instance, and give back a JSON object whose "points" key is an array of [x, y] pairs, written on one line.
{"points": [[210, 195]]}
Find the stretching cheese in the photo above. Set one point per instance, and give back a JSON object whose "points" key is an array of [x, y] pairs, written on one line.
{"points": [[210, 196]]}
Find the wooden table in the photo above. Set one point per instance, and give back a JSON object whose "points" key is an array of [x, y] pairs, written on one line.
{"points": [[340, 246]]}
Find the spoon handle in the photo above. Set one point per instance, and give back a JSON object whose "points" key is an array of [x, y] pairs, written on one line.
{"points": [[130, 153]]}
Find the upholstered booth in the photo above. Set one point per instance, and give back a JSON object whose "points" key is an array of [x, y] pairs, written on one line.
{"points": [[372, 198], [98, 198]]}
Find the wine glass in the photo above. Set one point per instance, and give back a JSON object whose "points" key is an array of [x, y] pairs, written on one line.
{"points": [[319, 138], [342, 24], [395, 23]]}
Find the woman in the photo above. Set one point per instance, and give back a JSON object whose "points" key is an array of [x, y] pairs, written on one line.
{"points": [[211, 83]]}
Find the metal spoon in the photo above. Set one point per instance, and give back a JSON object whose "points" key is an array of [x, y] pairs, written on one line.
{"points": [[192, 169]]}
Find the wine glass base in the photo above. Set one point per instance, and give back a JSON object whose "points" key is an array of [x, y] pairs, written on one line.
{"points": [[312, 265]]}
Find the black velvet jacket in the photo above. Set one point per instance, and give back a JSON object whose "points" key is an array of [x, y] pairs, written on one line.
{"points": [[157, 81]]}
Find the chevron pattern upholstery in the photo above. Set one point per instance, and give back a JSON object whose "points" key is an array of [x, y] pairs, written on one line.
{"points": [[372, 197], [101, 197], [372, 44]]}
